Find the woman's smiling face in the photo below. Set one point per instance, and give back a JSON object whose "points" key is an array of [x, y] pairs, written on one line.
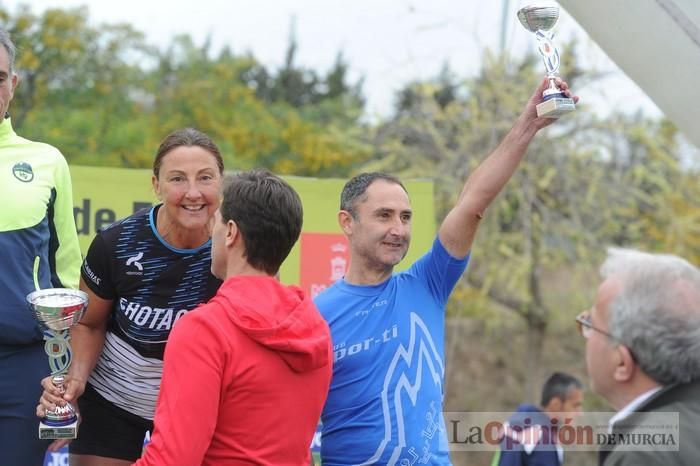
{"points": [[189, 184]]}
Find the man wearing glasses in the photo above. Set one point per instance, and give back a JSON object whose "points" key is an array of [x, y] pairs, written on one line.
{"points": [[643, 351]]}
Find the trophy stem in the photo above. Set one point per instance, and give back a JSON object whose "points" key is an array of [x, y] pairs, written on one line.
{"points": [[61, 422], [58, 380], [553, 90]]}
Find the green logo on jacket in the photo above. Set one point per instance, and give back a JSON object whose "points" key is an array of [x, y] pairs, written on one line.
{"points": [[23, 172]]}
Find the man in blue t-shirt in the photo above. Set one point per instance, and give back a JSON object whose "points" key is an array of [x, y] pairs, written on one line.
{"points": [[385, 401]]}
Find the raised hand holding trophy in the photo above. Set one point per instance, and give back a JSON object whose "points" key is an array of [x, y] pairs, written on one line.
{"points": [[540, 19], [57, 310]]}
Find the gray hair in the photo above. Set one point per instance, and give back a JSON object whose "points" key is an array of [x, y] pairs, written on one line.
{"points": [[657, 312], [6, 42]]}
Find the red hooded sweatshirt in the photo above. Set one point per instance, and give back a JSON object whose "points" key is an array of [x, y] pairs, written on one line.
{"points": [[245, 377]]}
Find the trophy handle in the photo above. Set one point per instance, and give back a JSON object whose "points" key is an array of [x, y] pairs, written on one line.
{"points": [[549, 52], [58, 349]]}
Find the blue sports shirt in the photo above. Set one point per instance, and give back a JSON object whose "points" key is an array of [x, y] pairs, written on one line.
{"points": [[385, 401]]}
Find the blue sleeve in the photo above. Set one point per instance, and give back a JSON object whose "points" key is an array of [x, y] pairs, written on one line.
{"points": [[511, 458], [439, 271]]}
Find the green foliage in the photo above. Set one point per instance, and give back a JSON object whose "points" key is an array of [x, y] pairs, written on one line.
{"points": [[106, 97], [585, 184]]}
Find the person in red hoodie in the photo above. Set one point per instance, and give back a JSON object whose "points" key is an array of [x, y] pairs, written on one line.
{"points": [[246, 375]]}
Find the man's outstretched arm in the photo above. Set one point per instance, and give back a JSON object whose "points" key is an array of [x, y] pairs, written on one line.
{"points": [[458, 230]]}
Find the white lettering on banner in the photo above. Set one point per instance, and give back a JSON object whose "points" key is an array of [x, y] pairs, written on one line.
{"points": [[60, 457], [153, 317], [57, 459]]}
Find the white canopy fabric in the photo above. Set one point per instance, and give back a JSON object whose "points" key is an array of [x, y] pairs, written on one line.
{"points": [[657, 44]]}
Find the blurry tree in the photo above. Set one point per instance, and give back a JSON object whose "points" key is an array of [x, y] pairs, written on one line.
{"points": [[76, 80], [238, 102], [302, 88], [106, 97]]}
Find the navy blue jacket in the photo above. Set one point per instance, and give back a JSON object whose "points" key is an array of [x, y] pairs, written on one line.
{"points": [[529, 423]]}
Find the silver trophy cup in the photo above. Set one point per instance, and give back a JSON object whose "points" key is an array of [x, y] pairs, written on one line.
{"points": [[540, 19], [57, 310]]}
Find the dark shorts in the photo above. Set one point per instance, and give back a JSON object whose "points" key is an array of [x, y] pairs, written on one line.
{"points": [[107, 430]]}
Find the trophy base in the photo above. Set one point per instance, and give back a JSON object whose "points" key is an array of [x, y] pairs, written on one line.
{"points": [[555, 107], [68, 431]]}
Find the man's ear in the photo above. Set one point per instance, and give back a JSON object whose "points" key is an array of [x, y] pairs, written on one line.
{"points": [[13, 84], [624, 369], [345, 221]]}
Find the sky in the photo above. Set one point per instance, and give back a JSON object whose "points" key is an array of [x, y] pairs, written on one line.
{"points": [[387, 42]]}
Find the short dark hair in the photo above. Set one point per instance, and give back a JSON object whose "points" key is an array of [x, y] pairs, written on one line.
{"points": [[267, 211], [186, 137], [559, 385], [355, 189]]}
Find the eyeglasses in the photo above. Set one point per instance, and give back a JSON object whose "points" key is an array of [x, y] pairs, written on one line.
{"points": [[586, 328]]}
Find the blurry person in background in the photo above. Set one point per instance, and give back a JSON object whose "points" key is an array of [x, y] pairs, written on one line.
{"points": [[531, 435]]}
